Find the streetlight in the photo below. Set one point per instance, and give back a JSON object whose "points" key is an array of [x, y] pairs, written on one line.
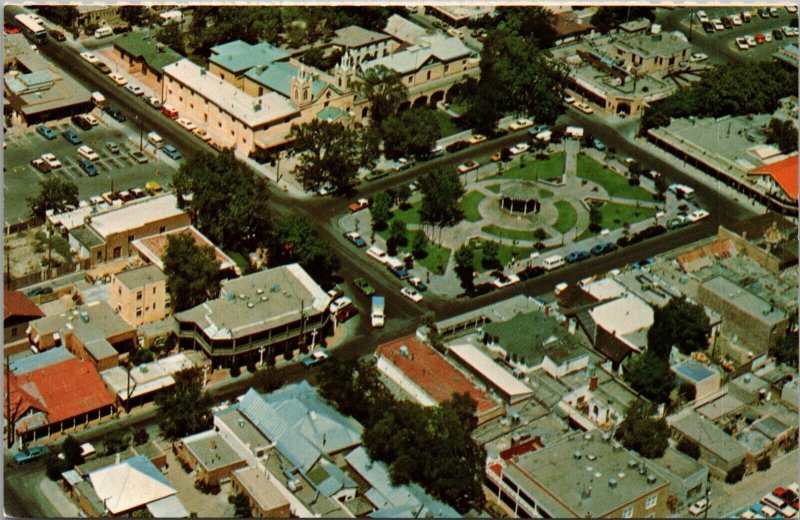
{"points": [[141, 131]]}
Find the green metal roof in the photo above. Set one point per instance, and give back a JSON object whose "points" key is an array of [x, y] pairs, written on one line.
{"points": [[146, 47], [238, 56], [278, 77], [329, 114]]}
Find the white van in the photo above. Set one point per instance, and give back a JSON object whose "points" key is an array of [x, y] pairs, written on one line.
{"points": [[682, 191], [103, 31], [378, 254], [99, 100], [554, 262], [155, 139], [574, 131], [392, 262]]}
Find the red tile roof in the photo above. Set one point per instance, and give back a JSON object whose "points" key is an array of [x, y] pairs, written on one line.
{"points": [[784, 172], [17, 304], [431, 372], [62, 391]]}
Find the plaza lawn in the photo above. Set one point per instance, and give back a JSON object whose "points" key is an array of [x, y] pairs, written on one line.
{"points": [[567, 216], [436, 259], [494, 187], [409, 216], [504, 255], [545, 194], [615, 184], [513, 234], [447, 126], [551, 168], [469, 205], [617, 215]]}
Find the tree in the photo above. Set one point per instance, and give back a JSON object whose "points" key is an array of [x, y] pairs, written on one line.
{"points": [[650, 376], [330, 152], [397, 236], [441, 198], [690, 448], [54, 193], [534, 24], [55, 466], [384, 90], [662, 185], [595, 218], [317, 58], [172, 37], [418, 244], [241, 506], [72, 451], [607, 18], [229, 202], [465, 259], [192, 272], [402, 194], [141, 355], [642, 432], [679, 323], [293, 239], [491, 252], [268, 380], [186, 409], [783, 132], [140, 436], [735, 474], [380, 211], [785, 349], [116, 441], [411, 133]]}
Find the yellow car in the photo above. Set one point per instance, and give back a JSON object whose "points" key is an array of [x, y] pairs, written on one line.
{"points": [[519, 124], [477, 138], [202, 134], [153, 187]]}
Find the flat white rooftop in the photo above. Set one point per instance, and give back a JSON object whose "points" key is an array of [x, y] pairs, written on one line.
{"points": [[487, 368], [133, 216], [623, 315]]}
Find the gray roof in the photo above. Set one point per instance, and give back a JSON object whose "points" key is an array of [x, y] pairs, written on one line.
{"points": [[141, 276], [721, 407], [87, 236], [750, 383], [535, 335], [168, 507], [556, 479], [354, 36], [648, 45], [753, 441], [258, 302], [403, 29], [441, 48], [770, 426], [744, 301], [40, 360], [709, 436], [677, 463], [238, 56], [211, 450], [102, 323]]}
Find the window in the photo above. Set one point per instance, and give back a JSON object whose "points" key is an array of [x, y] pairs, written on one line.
{"points": [[429, 75], [131, 238], [13, 331], [117, 252], [139, 315], [154, 290], [138, 295], [162, 229], [627, 512], [260, 91], [446, 68], [191, 105], [652, 500]]}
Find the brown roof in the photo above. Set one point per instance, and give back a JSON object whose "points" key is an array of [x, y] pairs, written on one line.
{"points": [[573, 296], [431, 372], [568, 24], [17, 304], [706, 255]]}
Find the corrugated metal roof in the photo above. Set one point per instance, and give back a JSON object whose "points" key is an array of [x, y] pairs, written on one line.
{"points": [[41, 360]]}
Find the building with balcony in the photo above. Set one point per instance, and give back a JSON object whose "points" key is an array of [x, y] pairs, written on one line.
{"points": [[258, 316]]}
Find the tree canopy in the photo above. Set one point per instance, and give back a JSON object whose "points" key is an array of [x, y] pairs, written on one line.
{"points": [[186, 408], [54, 193], [331, 152], [750, 87], [650, 376], [607, 18], [410, 133], [465, 258], [380, 210], [680, 323], [192, 272], [786, 349], [535, 24], [294, 239], [229, 201], [441, 198], [642, 432], [384, 90]]}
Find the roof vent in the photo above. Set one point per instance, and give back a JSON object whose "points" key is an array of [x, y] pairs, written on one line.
{"points": [[587, 437], [612, 482], [404, 351], [651, 479], [276, 288], [620, 475], [313, 415], [264, 298], [631, 463], [577, 455], [642, 469], [746, 378], [259, 291], [241, 296], [250, 305], [591, 456], [85, 316]]}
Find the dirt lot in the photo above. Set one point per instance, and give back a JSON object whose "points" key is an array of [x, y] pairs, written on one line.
{"points": [[27, 251]]}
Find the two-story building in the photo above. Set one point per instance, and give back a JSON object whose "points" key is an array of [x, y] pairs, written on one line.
{"points": [[18, 311], [140, 295]]}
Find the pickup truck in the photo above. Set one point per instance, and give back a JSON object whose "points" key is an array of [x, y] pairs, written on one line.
{"points": [[358, 205]]}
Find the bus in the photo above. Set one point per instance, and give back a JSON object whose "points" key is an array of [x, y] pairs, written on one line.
{"points": [[32, 29]]}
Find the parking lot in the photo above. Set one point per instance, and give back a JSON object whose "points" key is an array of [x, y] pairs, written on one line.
{"points": [[115, 171]]}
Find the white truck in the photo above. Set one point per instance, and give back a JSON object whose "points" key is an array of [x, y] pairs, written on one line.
{"points": [[377, 314]]}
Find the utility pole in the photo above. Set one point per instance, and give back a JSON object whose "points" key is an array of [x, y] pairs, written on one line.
{"points": [[6, 248]]}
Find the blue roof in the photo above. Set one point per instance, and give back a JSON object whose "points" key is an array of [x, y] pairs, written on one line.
{"points": [[239, 56], [694, 371], [278, 77], [38, 361], [329, 114], [143, 464]]}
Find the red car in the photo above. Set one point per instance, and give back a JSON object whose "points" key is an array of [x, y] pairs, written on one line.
{"points": [[346, 313], [10, 29], [760, 39]]}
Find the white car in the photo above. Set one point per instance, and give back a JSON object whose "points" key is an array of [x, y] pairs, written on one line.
{"points": [[91, 58], [51, 160], [698, 507], [88, 153], [519, 148], [519, 124], [702, 16], [742, 43], [698, 215], [718, 25], [186, 124], [136, 90], [791, 8], [584, 107], [751, 40], [505, 280], [768, 37], [378, 254], [118, 79], [340, 303], [89, 118], [736, 19], [467, 166], [568, 99], [411, 293], [698, 56]]}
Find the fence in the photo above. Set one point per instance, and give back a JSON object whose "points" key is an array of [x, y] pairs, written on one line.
{"points": [[22, 226], [44, 275]]}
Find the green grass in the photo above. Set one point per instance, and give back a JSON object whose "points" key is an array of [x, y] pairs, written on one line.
{"points": [[550, 168], [240, 260], [513, 234], [446, 124], [437, 257], [615, 184], [504, 255], [469, 204], [567, 216], [545, 194], [458, 107], [616, 215], [409, 216], [494, 187]]}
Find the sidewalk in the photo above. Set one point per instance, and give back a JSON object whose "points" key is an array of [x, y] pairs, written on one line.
{"points": [[57, 498]]}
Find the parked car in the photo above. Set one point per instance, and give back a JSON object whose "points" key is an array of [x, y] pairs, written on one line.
{"points": [[467, 166], [773, 12], [172, 152], [57, 35], [116, 114], [708, 27], [727, 22], [355, 238], [411, 293], [119, 79], [568, 99], [51, 160], [718, 25], [701, 16], [112, 147], [401, 164], [576, 256], [698, 57], [346, 313], [584, 107], [363, 286], [202, 134], [358, 205], [38, 291], [458, 145], [136, 90], [154, 102], [40, 165], [605, 247], [138, 156], [736, 19], [30, 454], [777, 34], [10, 29], [760, 39], [87, 153], [698, 507], [315, 358], [698, 215], [519, 124], [751, 40], [767, 37], [91, 58], [417, 283], [87, 166], [599, 144], [186, 124], [46, 132], [677, 222], [399, 271], [519, 148], [477, 138], [102, 67], [378, 254], [340, 303], [72, 137], [503, 280], [81, 122]]}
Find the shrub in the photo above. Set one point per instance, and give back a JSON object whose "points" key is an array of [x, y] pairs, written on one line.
{"points": [[735, 475], [764, 464]]}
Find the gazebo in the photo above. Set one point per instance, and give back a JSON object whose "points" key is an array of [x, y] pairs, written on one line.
{"points": [[518, 198]]}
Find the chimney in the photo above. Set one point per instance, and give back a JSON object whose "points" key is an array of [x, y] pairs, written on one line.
{"points": [[593, 382]]}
